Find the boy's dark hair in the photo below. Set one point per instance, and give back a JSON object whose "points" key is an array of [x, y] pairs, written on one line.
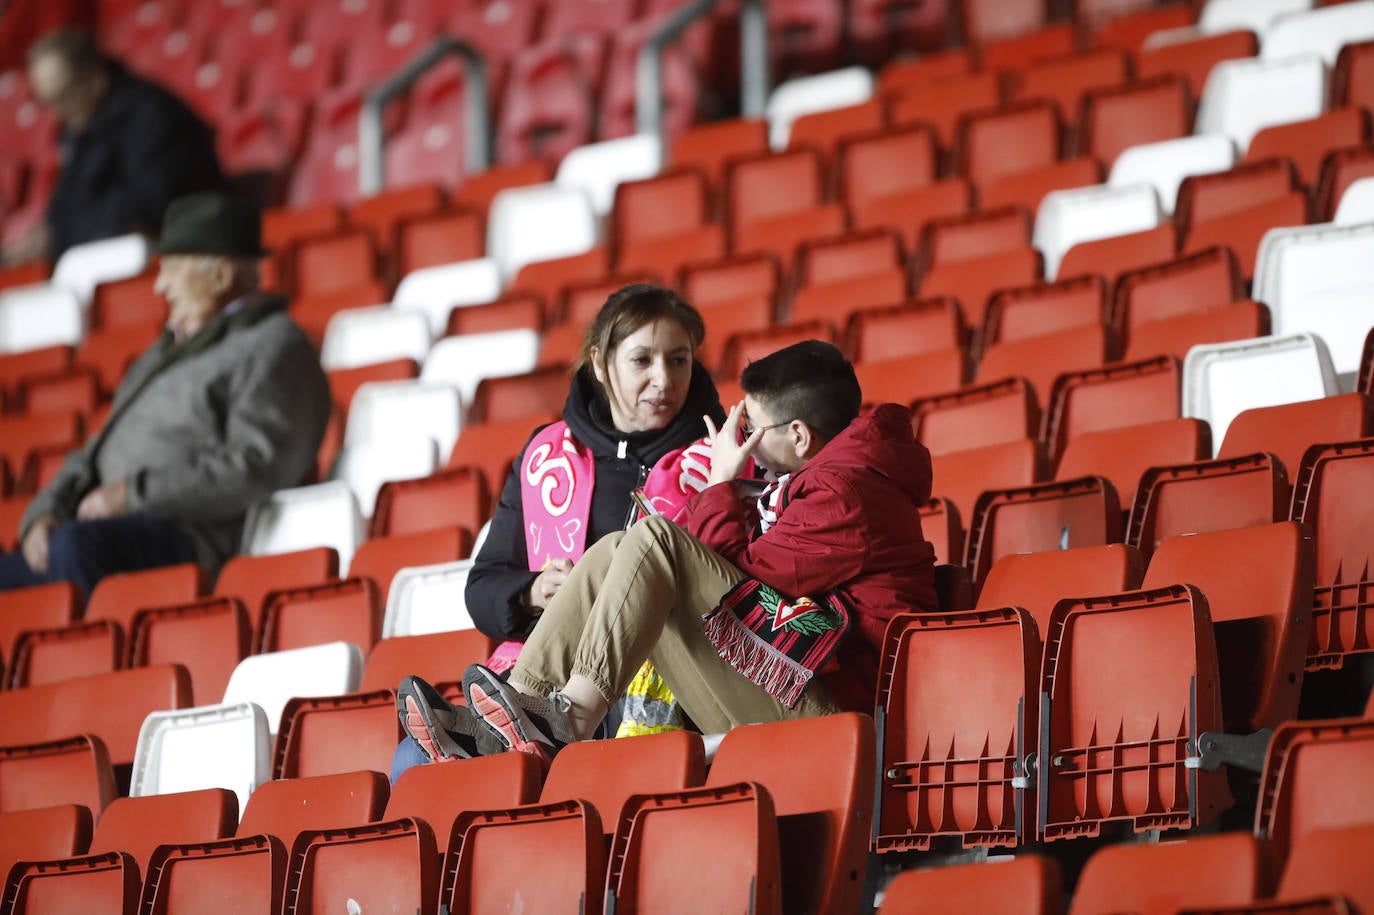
{"points": [[810, 381]]}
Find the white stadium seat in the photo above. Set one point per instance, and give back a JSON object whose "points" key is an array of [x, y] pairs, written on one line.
{"points": [[226, 746], [436, 291], [1244, 96], [325, 514], [426, 599], [810, 94], [465, 360], [1255, 15], [365, 466], [1222, 379], [362, 336], [1167, 163], [1069, 217], [1319, 31], [599, 168], [271, 680], [404, 411], [32, 317], [539, 223], [1356, 204], [83, 267]]}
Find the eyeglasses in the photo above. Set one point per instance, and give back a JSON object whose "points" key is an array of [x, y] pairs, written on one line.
{"points": [[746, 426]]}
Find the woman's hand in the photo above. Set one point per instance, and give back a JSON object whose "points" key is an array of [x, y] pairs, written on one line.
{"points": [[728, 454], [546, 585]]}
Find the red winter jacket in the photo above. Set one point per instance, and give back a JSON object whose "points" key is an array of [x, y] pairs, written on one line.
{"points": [[850, 521]]}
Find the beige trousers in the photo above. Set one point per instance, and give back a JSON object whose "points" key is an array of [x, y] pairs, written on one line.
{"points": [[640, 595]]}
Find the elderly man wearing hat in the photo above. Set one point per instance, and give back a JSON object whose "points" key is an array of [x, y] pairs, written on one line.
{"points": [[227, 406]]}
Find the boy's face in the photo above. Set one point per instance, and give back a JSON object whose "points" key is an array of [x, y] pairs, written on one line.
{"points": [[784, 445]]}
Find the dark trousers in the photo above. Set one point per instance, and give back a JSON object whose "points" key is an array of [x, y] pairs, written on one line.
{"points": [[83, 552]]}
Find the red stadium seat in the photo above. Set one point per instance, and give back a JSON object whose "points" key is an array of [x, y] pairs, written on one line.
{"points": [[1306, 143], [439, 657], [427, 240], [909, 212], [1126, 26], [1212, 871], [913, 327], [903, 378], [71, 770], [1029, 311], [1288, 430], [1147, 111], [975, 236], [476, 191], [1065, 80], [913, 72], [1015, 138], [962, 476], [1243, 229], [1042, 359], [1028, 188], [886, 162], [1190, 284], [342, 611], [449, 497], [1175, 336], [1024, 885], [208, 637], [1035, 582], [380, 558], [1123, 454], [974, 417], [1202, 198], [1193, 60], [1350, 80], [1110, 257], [1008, 50], [710, 147], [335, 734], [972, 282], [942, 103], [1120, 395]]}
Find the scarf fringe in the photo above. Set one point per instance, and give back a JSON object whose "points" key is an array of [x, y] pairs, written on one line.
{"points": [[755, 659]]}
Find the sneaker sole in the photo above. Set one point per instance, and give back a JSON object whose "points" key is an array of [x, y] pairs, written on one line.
{"points": [[418, 729], [505, 721]]}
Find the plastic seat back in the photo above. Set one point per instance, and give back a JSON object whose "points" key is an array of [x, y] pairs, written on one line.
{"points": [[1007, 140], [440, 794], [75, 770], [538, 223], [208, 637], [1118, 118], [439, 657], [244, 874], [1067, 218], [1107, 398], [1328, 497], [1042, 359], [1035, 582], [606, 773], [973, 282], [885, 162], [1124, 455], [1244, 96], [949, 766], [138, 825], [43, 833], [333, 734], [531, 395], [426, 599], [1194, 57], [1065, 80], [324, 515], [382, 557], [36, 607], [1128, 684], [1192, 283], [962, 476], [33, 317], [1319, 866], [1311, 782], [435, 291], [1025, 885], [974, 417], [1220, 870], [1165, 164], [119, 597], [1288, 430], [439, 501], [224, 746], [252, 578], [1258, 585], [269, 680], [90, 883], [1030, 311]]}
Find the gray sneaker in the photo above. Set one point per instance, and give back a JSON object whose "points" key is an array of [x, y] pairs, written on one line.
{"points": [[526, 723], [440, 729]]}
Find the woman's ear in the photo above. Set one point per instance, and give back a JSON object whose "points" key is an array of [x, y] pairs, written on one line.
{"points": [[597, 368]]}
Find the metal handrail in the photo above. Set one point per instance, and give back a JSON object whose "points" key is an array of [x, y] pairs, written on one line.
{"points": [[477, 129], [753, 62]]}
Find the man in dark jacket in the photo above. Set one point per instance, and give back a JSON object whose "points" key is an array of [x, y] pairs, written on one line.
{"points": [[127, 147], [226, 407], [751, 610]]}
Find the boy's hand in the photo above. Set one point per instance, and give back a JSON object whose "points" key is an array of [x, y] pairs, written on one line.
{"points": [[728, 454]]}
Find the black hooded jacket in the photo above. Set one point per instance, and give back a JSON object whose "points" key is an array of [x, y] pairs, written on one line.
{"points": [[142, 149], [501, 572]]}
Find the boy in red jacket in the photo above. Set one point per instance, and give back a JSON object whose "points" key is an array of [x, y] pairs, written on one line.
{"points": [[753, 609]]}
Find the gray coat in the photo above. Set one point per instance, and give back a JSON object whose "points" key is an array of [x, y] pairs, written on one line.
{"points": [[204, 428]]}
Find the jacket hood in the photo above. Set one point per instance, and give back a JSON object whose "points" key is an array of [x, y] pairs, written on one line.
{"points": [[882, 441], [589, 417]]}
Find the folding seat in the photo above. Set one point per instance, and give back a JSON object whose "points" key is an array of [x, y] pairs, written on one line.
{"points": [[909, 212], [426, 599], [598, 168], [391, 865], [856, 255], [671, 205], [1288, 430], [1074, 350], [492, 446], [746, 346], [345, 611], [92, 882], [704, 826], [1124, 454], [457, 496], [23, 438], [1024, 885], [322, 515], [1244, 96], [903, 378], [1217, 870], [368, 465], [71, 770], [1129, 684], [283, 227], [532, 394], [208, 637], [767, 194], [884, 162], [972, 282], [962, 476], [1127, 26], [1306, 142], [224, 746], [825, 130], [538, 223], [43, 833], [1321, 878], [1308, 767], [1193, 58], [83, 267], [949, 767], [910, 328], [710, 147], [75, 650], [973, 417], [942, 529], [1314, 281], [1110, 257], [1221, 15], [120, 596], [436, 291], [1244, 229], [1220, 380], [1165, 164], [1035, 582], [36, 607], [344, 383], [1205, 198], [109, 353], [836, 301], [1014, 138], [439, 657], [1191, 284], [989, 21], [130, 302], [360, 336], [1065, 80], [32, 317], [943, 103], [1028, 188], [821, 869], [108, 706], [1108, 398], [1356, 204], [247, 874], [286, 808], [380, 558], [722, 320], [336, 734], [1145, 111], [1030, 311], [1350, 79], [547, 109], [1067, 218], [977, 235]]}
